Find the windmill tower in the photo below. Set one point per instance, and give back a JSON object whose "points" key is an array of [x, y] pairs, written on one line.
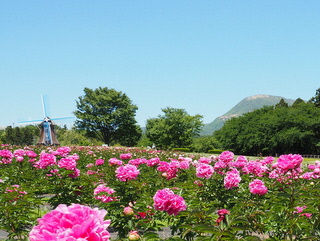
{"points": [[47, 131]]}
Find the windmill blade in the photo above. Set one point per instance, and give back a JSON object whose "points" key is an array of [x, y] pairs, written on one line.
{"points": [[62, 118], [31, 121], [44, 106]]}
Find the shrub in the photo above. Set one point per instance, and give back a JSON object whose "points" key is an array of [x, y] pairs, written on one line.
{"points": [[215, 151], [184, 149]]}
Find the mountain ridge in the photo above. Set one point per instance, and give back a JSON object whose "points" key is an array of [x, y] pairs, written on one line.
{"points": [[247, 104]]}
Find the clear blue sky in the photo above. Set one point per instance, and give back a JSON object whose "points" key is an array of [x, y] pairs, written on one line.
{"points": [[201, 56]]}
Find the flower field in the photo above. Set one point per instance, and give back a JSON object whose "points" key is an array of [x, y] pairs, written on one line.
{"points": [[85, 193]]}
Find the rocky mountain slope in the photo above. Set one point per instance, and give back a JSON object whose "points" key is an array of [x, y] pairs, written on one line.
{"points": [[246, 105]]}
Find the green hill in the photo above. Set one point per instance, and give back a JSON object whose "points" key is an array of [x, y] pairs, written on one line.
{"points": [[246, 105]]}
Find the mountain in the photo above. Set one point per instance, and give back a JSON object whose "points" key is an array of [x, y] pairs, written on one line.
{"points": [[248, 104]]}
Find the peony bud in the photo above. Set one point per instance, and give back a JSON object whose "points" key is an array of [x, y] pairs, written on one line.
{"points": [[128, 211], [134, 235]]}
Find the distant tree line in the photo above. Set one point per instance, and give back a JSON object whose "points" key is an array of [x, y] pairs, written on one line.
{"points": [[27, 135], [275, 129]]}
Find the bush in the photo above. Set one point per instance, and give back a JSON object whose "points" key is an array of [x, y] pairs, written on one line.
{"points": [[204, 144], [181, 149], [215, 151]]}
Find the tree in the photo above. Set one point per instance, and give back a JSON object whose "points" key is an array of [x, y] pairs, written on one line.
{"points": [[282, 103], [272, 130], [297, 102], [175, 128], [316, 99], [20, 135], [108, 115]]}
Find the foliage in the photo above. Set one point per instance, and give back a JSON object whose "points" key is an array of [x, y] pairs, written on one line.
{"points": [[289, 210], [215, 151], [271, 130], [27, 135], [108, 115], [175, 128], [248, 104], [316, 99], [204, 144], [75, 137], [184, 149]]}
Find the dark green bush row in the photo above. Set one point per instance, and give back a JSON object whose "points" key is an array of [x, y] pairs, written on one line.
{"points": [[215, 151], [181, 149]]}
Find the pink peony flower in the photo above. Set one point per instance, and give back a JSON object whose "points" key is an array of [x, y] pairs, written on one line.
{"points": [[76, 173], [153, 161], [128, 211], [240, 162], [256, 168], [127, 172], [268, 160], [166, 200], [125, 156], [288, 162], [138, 161], [115, 162], [133, 235], [204, 170], [222, 213], [104, 190], [66, 163], [6, 156], [63, 151], [204, 160], [169, 169], [184, 165], [257, 187], [232, 179], [300, 209], [308, 215], [74, 222], [31, 154], [46, 159], [99, 162], [226, 156]]}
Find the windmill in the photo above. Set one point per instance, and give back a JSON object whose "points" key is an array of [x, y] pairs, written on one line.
{"points": [[47, 131]]}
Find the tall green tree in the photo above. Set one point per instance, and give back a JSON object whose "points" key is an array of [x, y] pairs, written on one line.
{"points": [[175, 128], [108, 115], [273, 130], [26, 135], [316, 99]]}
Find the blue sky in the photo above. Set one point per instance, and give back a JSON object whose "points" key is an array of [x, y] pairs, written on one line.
{"points": [[201, 56]]}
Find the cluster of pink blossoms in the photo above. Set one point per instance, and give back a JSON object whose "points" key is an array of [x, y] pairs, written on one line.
{"points": [[115, 162], [74, 222], [232, 179], [257, 187], [15, 192], [99, 162], [289, 162], [127, 172], [222, 214], [166, 200], [19, 154], [6, 156], [204, 170], [125, 156], [67, 163], [170, 169], [104, 190], [314, 173], [300, 210], [62, 151], [46, 160]]}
